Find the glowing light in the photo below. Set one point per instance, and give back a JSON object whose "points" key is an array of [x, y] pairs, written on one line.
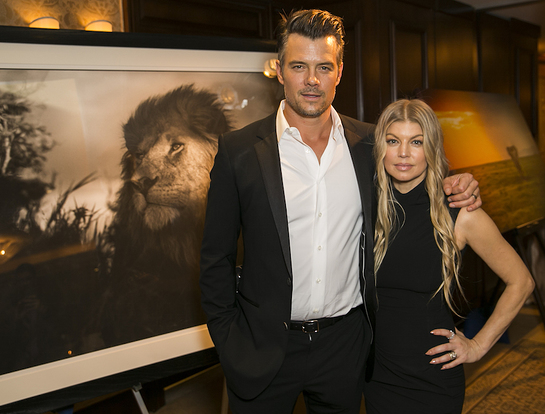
{"points": [[45, 22], [270, 68], [2, 252], [99, 26]]}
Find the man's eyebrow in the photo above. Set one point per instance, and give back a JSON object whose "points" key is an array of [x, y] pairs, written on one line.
{"points": [[301, 62]]}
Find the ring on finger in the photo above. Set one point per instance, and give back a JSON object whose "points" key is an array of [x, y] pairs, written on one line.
{"points": [[452, 355], [473, 195], [452, 335]]}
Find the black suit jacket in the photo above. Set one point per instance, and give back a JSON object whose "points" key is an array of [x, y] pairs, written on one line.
{"points": [[247, 317]]}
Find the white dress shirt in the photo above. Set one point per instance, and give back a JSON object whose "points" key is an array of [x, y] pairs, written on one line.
{"points": [[324, 221]]}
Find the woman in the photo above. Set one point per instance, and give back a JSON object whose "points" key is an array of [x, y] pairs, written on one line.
{"points": [[418, 239]]}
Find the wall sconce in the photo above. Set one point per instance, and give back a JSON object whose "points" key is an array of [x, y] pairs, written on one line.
{"points": [[46, 22], [270, 68], [99, 26]]}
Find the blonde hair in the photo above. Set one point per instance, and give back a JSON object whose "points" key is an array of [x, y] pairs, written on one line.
{"points": [[387, 220]]}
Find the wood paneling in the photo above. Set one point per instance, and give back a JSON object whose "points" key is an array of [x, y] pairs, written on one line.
{"points": [[456, 48], [349, 98], [524, 40], [408, 59], [204, 17], [358, 94], [407, 50], [394, 48], [495, 55]]}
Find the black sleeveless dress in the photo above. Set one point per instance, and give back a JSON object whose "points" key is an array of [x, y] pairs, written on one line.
{"points": [[403, 379]]}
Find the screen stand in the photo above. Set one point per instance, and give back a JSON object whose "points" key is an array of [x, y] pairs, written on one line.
{"points": [[138, 397]]}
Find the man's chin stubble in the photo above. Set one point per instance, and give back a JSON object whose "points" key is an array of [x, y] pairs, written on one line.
{"points": [[304, 113]]}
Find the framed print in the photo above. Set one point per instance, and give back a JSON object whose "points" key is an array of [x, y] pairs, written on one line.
{"points": [[486, 134], [104, 165]]}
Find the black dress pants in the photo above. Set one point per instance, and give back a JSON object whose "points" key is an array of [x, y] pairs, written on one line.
{"points": [[327, 367]]}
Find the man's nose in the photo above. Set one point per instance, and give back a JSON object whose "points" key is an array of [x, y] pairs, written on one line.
{"points": [[311, 78]]}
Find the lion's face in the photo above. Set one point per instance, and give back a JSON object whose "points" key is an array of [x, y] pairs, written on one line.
{"points": [[170, 172]]}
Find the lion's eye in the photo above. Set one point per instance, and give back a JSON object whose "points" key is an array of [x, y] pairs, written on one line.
{"points": [[176, 147]]}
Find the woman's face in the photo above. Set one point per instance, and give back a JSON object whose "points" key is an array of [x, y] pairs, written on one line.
{"points": [[405, 161]]}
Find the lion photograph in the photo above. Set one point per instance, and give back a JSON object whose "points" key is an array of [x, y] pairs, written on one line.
{"points": [[170, 141], [104, 220]]}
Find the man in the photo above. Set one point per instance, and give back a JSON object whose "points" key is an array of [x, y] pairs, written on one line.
{"points": [[299, 186]]}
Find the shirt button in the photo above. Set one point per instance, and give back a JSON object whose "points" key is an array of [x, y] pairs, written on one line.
{"points": [[318, 280], [319, 247], [319, 214]]}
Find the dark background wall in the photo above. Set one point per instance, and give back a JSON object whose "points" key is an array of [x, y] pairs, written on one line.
{"points": [[394, 48]]}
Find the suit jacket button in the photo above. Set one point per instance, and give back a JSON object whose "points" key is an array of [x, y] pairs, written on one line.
{"points": [[286, 327], [289, 281]]}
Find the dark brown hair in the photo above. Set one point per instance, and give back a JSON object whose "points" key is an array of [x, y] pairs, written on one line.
{"points": [[313, 24]]}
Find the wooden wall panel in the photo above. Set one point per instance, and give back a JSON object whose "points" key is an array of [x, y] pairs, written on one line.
{"points": [[408, 59], [526, 86], [524, 39], [495, 55], [201, 17], [455, 48], [394, 47], [358, 94], [349, 98], [371, 72], [407, 49]]}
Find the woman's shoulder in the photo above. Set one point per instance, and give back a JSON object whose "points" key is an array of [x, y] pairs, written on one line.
{"points": [[473, 226], [472, 218]]}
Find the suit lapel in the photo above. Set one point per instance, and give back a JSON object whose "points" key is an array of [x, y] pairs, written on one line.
{"points": [[365, 181], [269, 160]]}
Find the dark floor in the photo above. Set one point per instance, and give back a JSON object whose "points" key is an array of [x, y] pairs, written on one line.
{"points": [[203, 393]]}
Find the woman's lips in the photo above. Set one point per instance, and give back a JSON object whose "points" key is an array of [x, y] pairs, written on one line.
{"points": [[403, 167]]}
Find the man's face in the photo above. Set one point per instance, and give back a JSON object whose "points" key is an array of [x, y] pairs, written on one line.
{"points": [[310, 74]]}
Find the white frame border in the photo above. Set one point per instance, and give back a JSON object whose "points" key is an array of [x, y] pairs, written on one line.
{"points": [[42, 379]]}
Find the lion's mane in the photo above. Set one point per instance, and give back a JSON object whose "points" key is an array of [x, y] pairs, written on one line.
{"points": [[171, 141]]}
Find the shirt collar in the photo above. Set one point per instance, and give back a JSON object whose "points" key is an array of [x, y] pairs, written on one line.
{"points": [[282, 124]]}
